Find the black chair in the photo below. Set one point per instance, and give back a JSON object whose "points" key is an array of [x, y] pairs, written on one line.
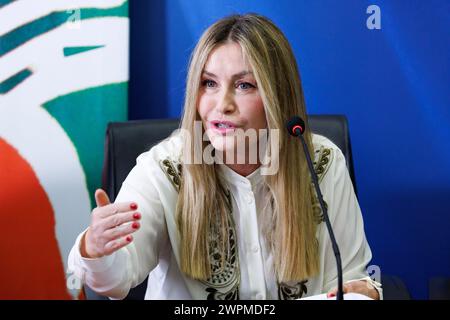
{"points": [[126, 140], [439, 288]]}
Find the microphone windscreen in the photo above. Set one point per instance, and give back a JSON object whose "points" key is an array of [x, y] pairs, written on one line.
{"points": [[295, 123]]}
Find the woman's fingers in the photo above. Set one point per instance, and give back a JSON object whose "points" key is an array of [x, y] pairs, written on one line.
{"points": [[114, 208], [101, 198], [104, 242], [120, 231], [120, 218], [332, 293], [117, 244], [111, 224], [360, 286]]}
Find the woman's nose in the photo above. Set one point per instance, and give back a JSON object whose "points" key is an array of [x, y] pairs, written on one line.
{"points": [[226, 103]]}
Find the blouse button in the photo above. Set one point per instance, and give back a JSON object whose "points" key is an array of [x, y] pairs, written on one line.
{"points": [[255, 249], [249, 198], [259, 296]]}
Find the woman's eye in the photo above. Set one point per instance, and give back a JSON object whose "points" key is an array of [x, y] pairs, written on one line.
{"points": [[245, 86], [209, 83]]}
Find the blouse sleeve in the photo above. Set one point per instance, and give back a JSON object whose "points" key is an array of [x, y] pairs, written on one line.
{"points": [[347, 222], [115, 274]]}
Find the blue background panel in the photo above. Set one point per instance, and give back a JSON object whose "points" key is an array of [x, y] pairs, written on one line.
{"points": [[393, 85]]}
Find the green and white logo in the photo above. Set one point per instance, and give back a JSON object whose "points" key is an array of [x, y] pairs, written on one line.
{"points": [[63, 77]]}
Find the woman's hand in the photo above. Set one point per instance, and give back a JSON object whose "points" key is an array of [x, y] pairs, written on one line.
{"points": [[360, 286], [111, 227]]}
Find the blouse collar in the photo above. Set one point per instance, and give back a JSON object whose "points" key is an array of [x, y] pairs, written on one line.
{"points": [[250, 181]]}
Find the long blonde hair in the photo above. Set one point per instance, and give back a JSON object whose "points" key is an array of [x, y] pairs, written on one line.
{"points": [[202, 208]]}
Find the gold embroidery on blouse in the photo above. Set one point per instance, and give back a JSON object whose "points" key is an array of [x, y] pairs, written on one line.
{"points": [[322, 163], [173, 172], [321, 166], [287, 291]]}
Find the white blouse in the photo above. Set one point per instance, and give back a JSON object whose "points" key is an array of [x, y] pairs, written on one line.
{"points": [[152, 184]]}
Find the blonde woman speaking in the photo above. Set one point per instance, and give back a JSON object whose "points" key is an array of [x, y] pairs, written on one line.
{"points": [[224, 208]]}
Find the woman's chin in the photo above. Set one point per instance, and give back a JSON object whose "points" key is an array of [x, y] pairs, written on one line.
{"points": [[223, 143]]}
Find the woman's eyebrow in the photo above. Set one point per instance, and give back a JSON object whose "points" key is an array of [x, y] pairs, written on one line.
{"points": [[242, 74], [209, 74], [235, 76]]}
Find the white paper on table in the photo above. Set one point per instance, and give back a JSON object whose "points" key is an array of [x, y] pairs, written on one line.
{"points": [[347, 296]]}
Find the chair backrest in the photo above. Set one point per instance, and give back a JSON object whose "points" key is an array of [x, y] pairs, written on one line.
{"points": [[126, 140]]}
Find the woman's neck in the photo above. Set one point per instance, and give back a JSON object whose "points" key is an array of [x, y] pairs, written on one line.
{"points": [[243, 169]]}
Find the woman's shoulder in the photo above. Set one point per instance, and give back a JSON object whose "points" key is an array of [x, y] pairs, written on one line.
{"points": [[326, 155], [168, 149], [320, 141], [160, 164]]}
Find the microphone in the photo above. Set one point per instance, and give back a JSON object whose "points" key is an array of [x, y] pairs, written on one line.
{"points": [[296, 127]]}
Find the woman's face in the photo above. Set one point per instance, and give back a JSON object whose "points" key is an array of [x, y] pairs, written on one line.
{"points": [[229, 98]]}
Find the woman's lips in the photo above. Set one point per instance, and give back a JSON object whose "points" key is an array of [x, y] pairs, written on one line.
{"points": [[223, 127]]}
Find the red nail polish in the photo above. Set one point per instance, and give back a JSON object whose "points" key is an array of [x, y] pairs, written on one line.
{"points": [[129, 238], [133, 206], [137, 215], [135, 225]]}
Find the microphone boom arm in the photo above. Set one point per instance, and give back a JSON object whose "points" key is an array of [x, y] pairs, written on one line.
{"points": [[337, 254]]}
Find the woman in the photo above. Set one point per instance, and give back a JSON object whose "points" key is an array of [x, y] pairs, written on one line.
{"points": [[214, 230]]}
